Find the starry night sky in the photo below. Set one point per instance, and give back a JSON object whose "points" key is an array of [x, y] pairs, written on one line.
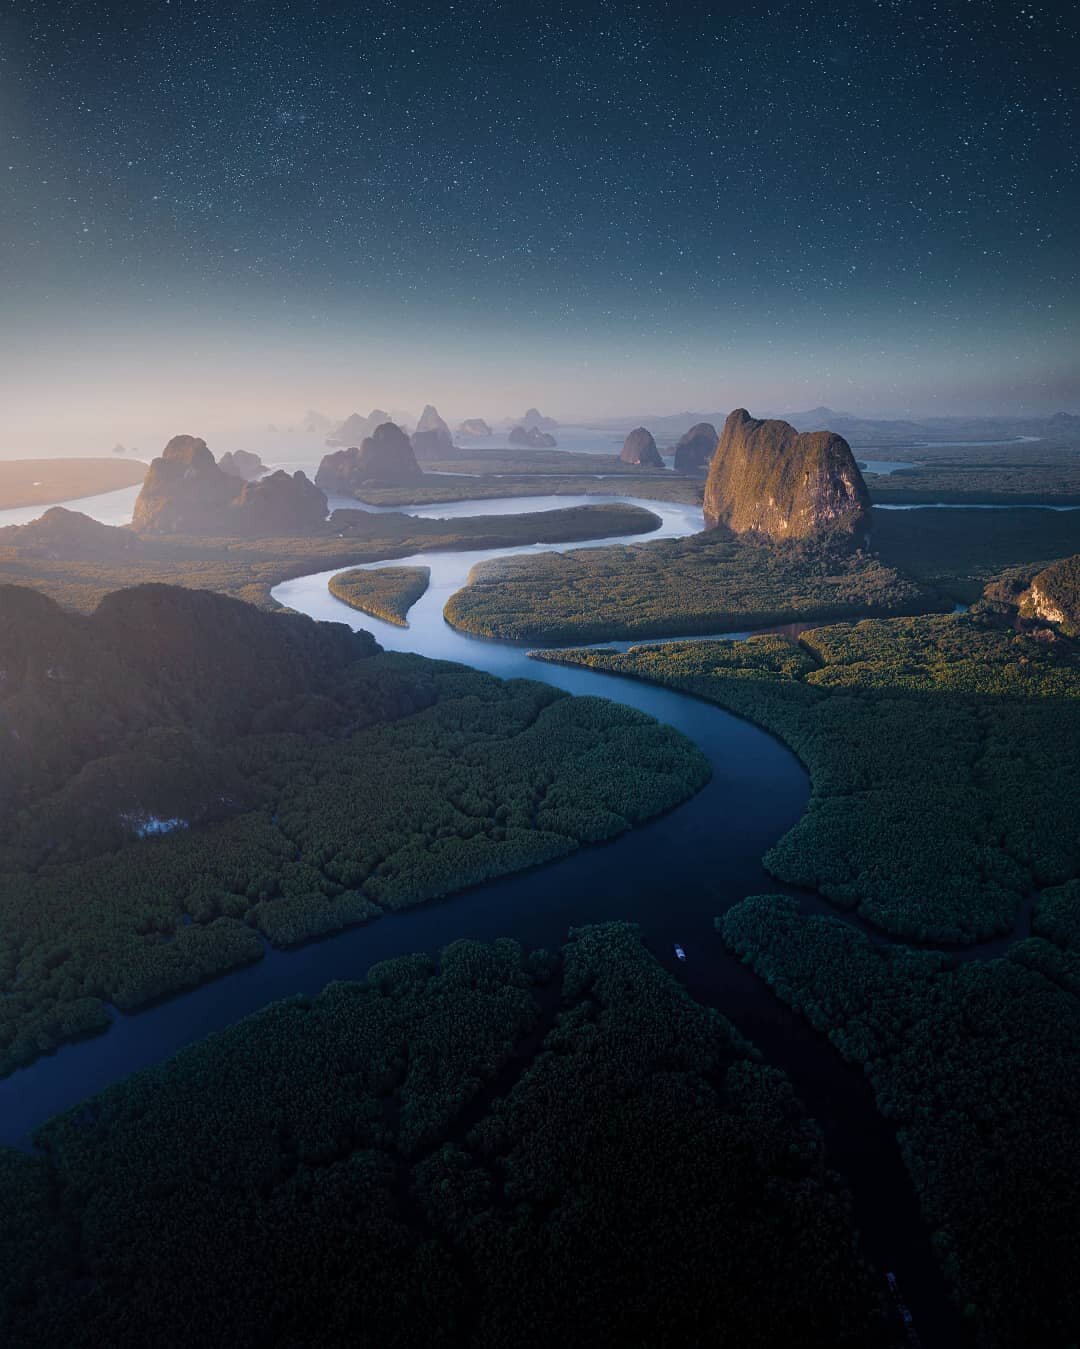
{"points": [[596, 208]]}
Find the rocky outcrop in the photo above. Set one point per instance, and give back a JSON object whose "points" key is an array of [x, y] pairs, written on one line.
{"points": [[1042, 606], [474, 428], [354, 429], [338, 472], [432, 438], [386, 458], [533, 437], [535, 420], [69, 536], [279, 504], [186, 492], [431, 421], [695, 448], [242, 464], [1054, 595], [768, 478], [640, 448]]}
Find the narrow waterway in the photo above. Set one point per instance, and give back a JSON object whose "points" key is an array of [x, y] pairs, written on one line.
{"points": [[672, 877]]}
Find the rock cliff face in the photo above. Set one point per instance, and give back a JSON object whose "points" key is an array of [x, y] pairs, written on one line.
{"points": [[768, 478], [1055, 595], [533, 437], [696, 447], [474, 427], [432, 438], [278, 504], [1042, 606], [432, 421], [70, 536], [386, 457], [186, 492], [242, 464], [640, 448]]}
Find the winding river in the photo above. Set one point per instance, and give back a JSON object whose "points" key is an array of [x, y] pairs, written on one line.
{"points": [[672, 877]]}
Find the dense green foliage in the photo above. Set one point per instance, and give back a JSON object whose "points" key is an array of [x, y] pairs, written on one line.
{"points": [[942, 755], [494, 1150], [386, 592], [958, 551], [1047, 469], [287, 779], [978, 1068], [710, 582], [524, 462], [978, 486], [658, 485], [249, 568]]}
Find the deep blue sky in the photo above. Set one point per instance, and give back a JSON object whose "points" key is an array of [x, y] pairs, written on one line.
{"points": [[595, 207]]}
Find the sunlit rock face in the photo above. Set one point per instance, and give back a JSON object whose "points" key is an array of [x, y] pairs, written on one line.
{"points": [[386, 457], [640, 448], [242, 464], [186, 492], [1054, 595], [767, 478], [533, 437], [696, 447]]}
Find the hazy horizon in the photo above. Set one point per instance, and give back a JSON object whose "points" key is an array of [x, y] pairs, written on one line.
{"points": [[144, 436]]}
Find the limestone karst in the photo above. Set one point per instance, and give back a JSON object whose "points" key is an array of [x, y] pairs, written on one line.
{"points": [[640, 448], [768, 478], [533, 437], [385, 457], [186, 492], [695, 447]]}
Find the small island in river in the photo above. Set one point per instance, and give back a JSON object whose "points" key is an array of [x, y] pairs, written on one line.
{"points": [[384, 592]]}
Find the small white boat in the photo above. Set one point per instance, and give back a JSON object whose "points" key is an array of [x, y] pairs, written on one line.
{"points": [[680, 952]]}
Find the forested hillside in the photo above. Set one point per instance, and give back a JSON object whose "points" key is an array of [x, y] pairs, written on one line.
{"points": [[183, 773]]}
